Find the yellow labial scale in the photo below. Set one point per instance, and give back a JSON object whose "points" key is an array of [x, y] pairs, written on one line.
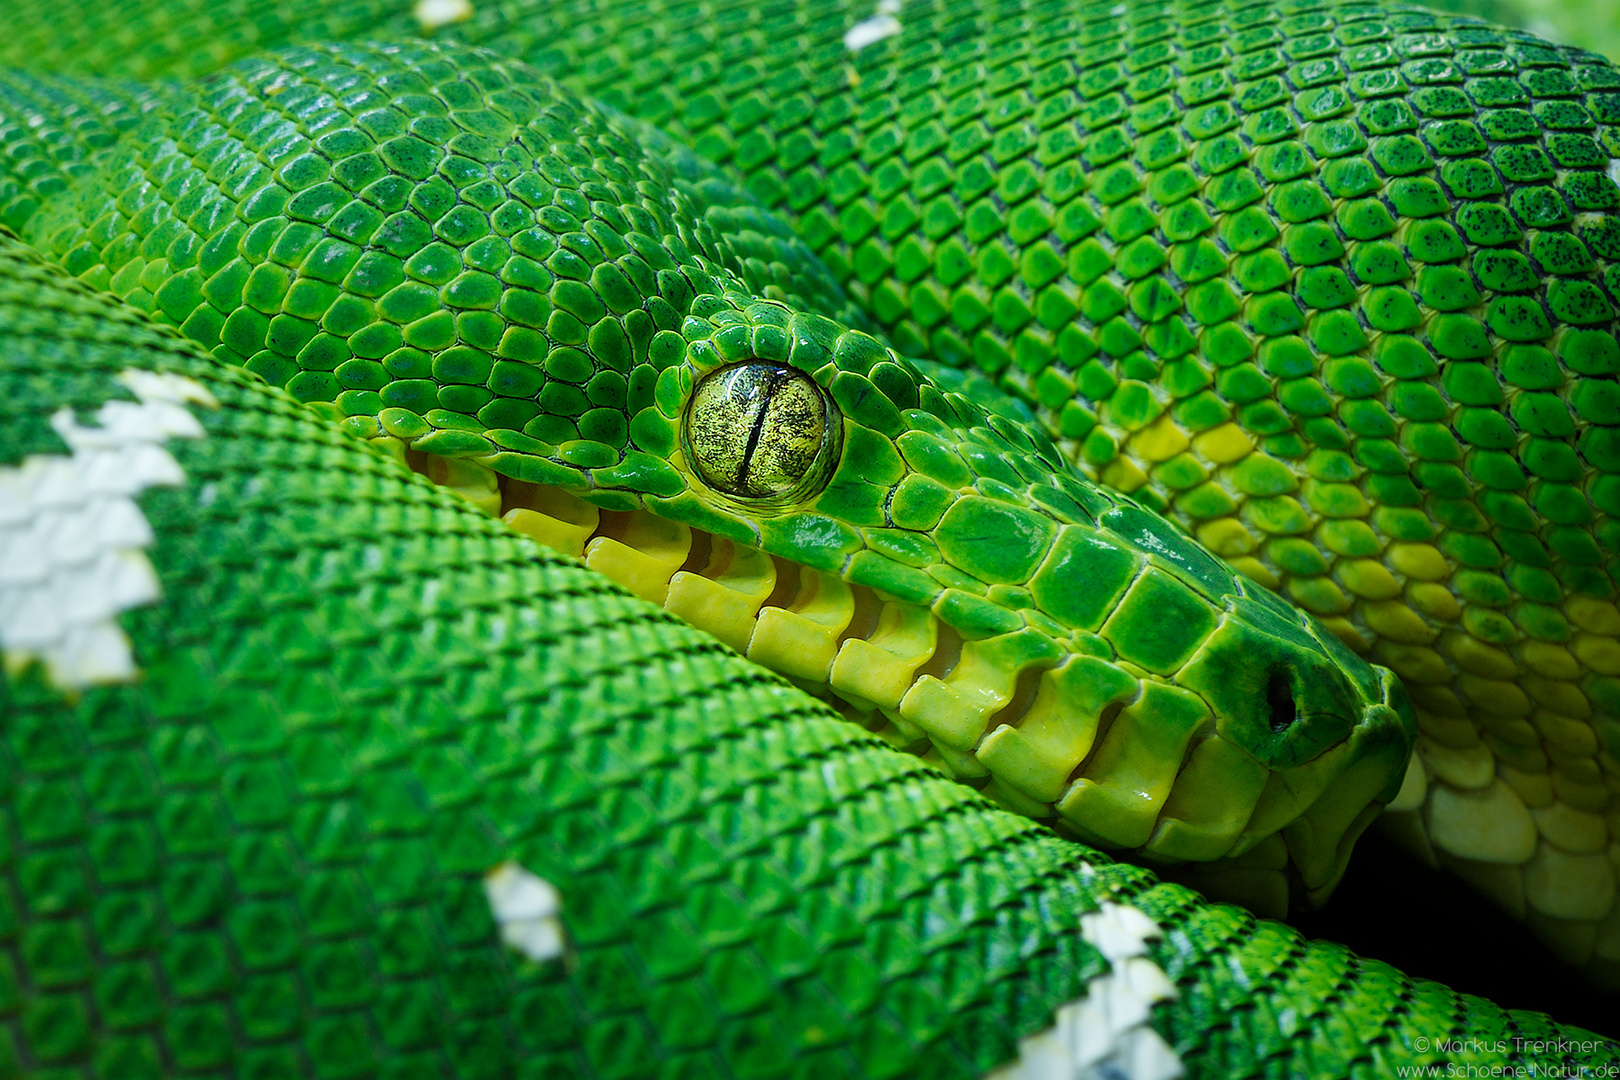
{"points": [[1433, 600], [1039, 755], [1209, 803], [1597, 616], [1477, 658], [1551, 661], [1123, 474], [1569, 886], [1159, 441], [476, 483], [1269, 852], [1415, 664], [879, 670], [1126, 781], [725, 598], [1578, 832], [1420, 562], [394, 447], [1394, 621], [552, 517], [1320, 841], [942, 714], [1224, 444], [892, 735], [801, 640], [1368, 578], [1469, 768], [1534, 788], [956, 710], [652, 550], [1011, 798], [547, 531], [1601, 654], [933, 759], [956, 766], [1489, 824], [913, 735], [1287, 795], [1317, 895]]}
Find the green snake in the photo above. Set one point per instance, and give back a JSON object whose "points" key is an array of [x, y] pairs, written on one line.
{"points": [[815, 328]]}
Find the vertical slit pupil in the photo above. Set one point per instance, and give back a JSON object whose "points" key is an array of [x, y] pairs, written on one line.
{"points": [[1280, 702]]}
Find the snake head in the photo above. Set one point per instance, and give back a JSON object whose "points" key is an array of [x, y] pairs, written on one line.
{"points": [[1334, 733], [945, 576], [506, 287]]}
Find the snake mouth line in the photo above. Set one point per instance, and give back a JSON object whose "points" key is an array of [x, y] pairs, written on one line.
{"points": [[1042, 740]]}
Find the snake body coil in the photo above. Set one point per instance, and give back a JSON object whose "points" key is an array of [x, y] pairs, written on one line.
{"points": [[318, 770]]}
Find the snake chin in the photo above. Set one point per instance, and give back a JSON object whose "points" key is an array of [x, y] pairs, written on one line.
{"points": [[1081, 745]]}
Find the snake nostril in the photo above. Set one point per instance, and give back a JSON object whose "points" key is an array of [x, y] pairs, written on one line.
{"points": [[1280, 701]]}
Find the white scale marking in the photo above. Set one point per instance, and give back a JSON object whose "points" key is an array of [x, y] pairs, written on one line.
{"points": [[432, 14], [527, 909], [73, 540], [872, 30], [1105, 1035]]}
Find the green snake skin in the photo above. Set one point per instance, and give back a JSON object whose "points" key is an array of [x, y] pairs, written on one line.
{"points": [[560, 346], [1326, 283], [317, 770], [359, 695]]}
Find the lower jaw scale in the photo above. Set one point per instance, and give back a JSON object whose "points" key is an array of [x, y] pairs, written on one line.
{"points": [[1112, 759]]}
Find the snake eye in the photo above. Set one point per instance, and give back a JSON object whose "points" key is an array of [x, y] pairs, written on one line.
{"points": [[760, 431]]}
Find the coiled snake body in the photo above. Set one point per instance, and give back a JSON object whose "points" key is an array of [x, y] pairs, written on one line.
{"points": [[316, 769]]}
